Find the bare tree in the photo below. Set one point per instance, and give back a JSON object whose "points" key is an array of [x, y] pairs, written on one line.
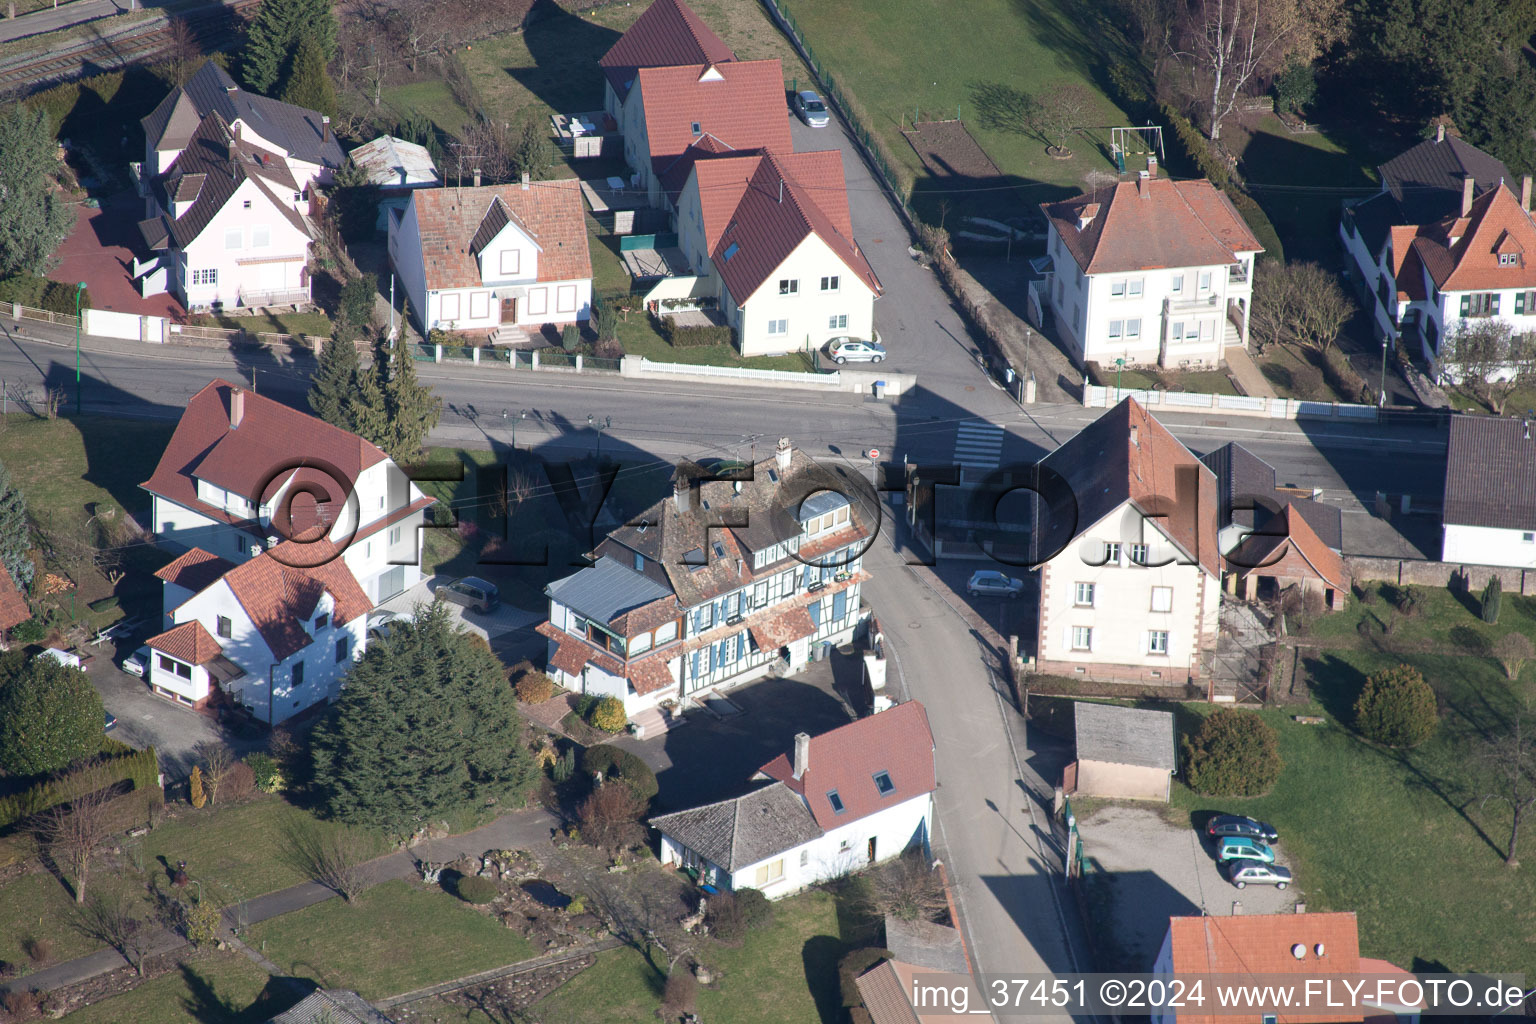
{"points": [[114, 916], [1061, 113], [610, 816], [909, 888], [1297, 303], [72, 833], [182, 52], [1487, 360], [416, 30], [217, 760], [1513, 650], [335, 858], [1510, 763]]}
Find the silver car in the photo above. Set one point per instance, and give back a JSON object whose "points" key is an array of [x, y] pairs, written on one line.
{"points": [[1243, 873], [855, 350], [137, 663], [380, 623], [810, 109], [991, 583]]}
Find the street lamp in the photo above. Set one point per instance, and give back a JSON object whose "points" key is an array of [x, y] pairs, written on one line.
{"points": [[1119, 365], [599, 425], [507, 418], [79, 292], [1381, 394]]}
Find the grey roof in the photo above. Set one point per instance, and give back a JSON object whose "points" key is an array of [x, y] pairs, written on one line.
{"points": [[1117, 735], [1241, 477], [1374, 219], [331, 1006], [211, 91], [1426, 179], [1327, 521], [1490, 473], [819, 504], [395, 163], [936, 947], [742, 831], [606, 590]]}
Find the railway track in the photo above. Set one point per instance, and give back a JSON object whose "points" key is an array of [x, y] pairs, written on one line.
{"points": [[210, 27]]}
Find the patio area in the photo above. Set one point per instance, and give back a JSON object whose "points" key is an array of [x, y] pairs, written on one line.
{"points": [[649, 264], [100, 251]]}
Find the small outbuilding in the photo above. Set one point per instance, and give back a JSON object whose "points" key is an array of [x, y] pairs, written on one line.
{"points": [[1122, 753], [396, 165]]}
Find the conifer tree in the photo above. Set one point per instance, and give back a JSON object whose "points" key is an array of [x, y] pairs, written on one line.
{"points": [[333, 392], [15, 533], [309, 84], [273, 40], [410, 408]]}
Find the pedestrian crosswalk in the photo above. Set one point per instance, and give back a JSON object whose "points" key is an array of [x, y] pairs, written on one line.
{"points": [[978, 445]]}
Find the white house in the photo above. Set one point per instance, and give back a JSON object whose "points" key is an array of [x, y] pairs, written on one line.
{"points": [[1133, 590], [1152, 271], [849, 798], [1489, 511], [668, 34], [228, 223], [1422, 185], [771, 238], [496, 258], [243, 473], [678, 603]]}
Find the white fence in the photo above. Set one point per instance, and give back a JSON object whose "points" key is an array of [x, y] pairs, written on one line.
{"points": [[880, 384], [1097, 397]]}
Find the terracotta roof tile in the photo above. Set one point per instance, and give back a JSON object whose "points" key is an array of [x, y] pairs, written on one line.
{"points": [[897, 741], [195, 570], [1262, 944], [279, 597], [668, 34], [1288, 546], [783, 630], [1151, 224], [740, 103], [1462, 253], [188, 642], [550, 211], [570, 657], [887, 989], [650, 675], [13, 606]]}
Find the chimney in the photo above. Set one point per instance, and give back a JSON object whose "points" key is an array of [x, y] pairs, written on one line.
{"points": [[475, 177], [1143, 184], [1468, 184], [1151, 165], [1440, 133], [235, 130], [231, 88], [782, 453], [802, 753], [525, 181], [1525, 193], [680, 492], [236, 408], [325, 128]]}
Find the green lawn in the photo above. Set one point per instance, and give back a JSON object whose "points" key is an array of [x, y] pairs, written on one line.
{"points": [[37, 906], [433, 100], [783, 974], [1277, 363], [1402, 837], [207, 988], [397, 937]]}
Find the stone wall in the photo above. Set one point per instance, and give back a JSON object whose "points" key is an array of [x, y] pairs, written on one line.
{"points": [[1438, 574]]}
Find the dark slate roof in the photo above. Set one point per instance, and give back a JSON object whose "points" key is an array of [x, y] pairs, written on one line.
{"points": [[1374, 219], [1117, 735], [1241, 476], [1426, 179], [299, 131], [496, 217], [1490, 474], [331, 1006], [739, 832], [606, 590]]}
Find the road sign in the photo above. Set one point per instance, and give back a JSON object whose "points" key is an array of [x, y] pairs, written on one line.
{"points": [[872, 454]]}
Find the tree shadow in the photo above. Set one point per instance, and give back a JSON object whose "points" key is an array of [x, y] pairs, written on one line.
{"points": [[564, 47], [821, 955], [1004, 108], [1336, 684]]}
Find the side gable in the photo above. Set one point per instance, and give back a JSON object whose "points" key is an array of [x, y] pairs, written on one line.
{"points": [[668, 34]]}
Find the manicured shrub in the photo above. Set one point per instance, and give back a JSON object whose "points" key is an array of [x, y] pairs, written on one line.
{"points": [[570, 337], [564, 766], [756, 909], [1397, 708], [585, 705], [1493, 600], [620, 764], [1233, 753], [534, 688], [474, 889], [198, 797], [724, 918], [268, 777], [854, 964], [609, 715], [238, 784]]}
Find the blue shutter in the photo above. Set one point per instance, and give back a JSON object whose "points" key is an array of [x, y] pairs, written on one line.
{"points": [[809, 576], [839, 605], [693, 665], [815, 609]]}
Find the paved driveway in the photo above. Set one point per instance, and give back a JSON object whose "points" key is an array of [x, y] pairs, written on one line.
{"points": [[507, 618], [1158, 870]]}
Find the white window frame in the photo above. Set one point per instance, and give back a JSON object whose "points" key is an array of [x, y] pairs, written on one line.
{"points": [[1116, 329], [1082, 638], [1134, 287], [1139, 554], [770, 873], [666, 632], [778, 328], [450, 313], [1205, 281], [1178, 284], [1162, 599], [1082, 595], [837, 322], [1133, 327], [1111, 552], [1117, 289], [1157, 641], [234, 238], [789, 286], [206, 278], [261, 236]]}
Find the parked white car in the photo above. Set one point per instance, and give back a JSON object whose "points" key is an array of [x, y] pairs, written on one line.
{"points": [[855, 350], [137, 663]]}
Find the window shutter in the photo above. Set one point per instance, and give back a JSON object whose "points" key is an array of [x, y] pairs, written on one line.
{"points": [[1495, 303], [1519, 303], [1466, 305]]}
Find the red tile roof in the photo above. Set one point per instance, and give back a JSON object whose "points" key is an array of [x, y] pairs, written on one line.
{"points": [[244, 459], [740, 103], [279, 590], [195, 570], [188, 642], [1288, 546], [783, 630], [1151, 224], [650, 675], [13, 606], [887, 989], [897, 741], [1262, 944], [780, 201], [668, 34], [1462, 253], [550, 212]]}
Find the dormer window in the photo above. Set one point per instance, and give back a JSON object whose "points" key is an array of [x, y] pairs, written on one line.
{"points": [[1509, 259], [694, 127]]}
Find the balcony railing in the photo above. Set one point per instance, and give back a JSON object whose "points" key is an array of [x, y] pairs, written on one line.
{"points": [[1237, 273], [291, 297]]}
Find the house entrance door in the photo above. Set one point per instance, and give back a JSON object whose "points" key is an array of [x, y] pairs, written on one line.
{"points": [[871, 849], [509, 311]]}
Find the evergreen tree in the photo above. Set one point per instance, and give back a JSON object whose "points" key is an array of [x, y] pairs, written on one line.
{"points": [[15, 533], [410, 409], [273, 39], [355, 200], [50, 717], [333, 391], [425, 726], [309, 84], [32, 219]]}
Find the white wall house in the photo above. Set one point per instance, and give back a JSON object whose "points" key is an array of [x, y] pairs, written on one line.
{"points": [[1489, 512], [856, 796], [672, 609], [1135, 592], [480, 259], [1155, 272], [229, 483]]}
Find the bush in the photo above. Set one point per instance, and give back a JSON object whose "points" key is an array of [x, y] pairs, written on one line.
{"points": [[239, 783], [59, 297], [106, 604], [854, 964], [474, 889], [694, 337], [1259, 223], [29, 632], [1397, 708], [570, 337], [39, 950], [26, 289], [1233, 753], [620, 764], [1295, 87], [725, 919], [678, 998], [195, 787], [609, 715], [534, 687], [585, 705], [756, 909], [564, 766], [265, 773], [200, 922], [1493, 600]]}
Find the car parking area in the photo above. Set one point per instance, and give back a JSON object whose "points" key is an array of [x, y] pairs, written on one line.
{"points": [[1156, 869]]}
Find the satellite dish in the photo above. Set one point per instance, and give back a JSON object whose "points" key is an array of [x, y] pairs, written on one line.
{"points": [[1299, 951], [1318, 949]]}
